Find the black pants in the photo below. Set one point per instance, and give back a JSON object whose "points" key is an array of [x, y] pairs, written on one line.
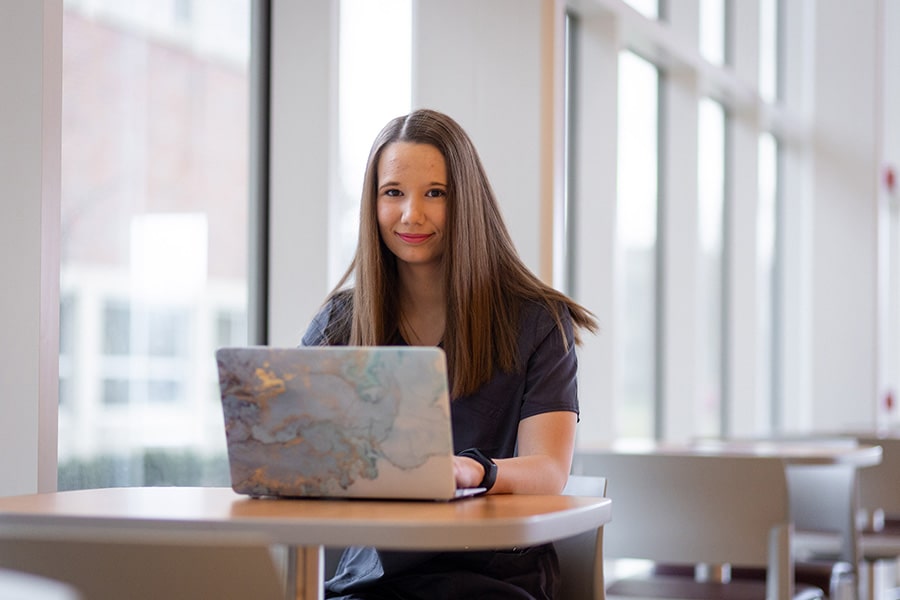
{"points": [[369, 574]]}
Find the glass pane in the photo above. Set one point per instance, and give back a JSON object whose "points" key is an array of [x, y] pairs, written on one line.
{"points": [[154, 236], [67, 336], [636, 237], [711, 202], [368, 59], [648, 8], [768, 50], [765, 261], [563, 234], [712, 30]]}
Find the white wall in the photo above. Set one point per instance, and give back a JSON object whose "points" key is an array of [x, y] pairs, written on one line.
{"points": [[844, 227], [30, 109], [889, 141]]}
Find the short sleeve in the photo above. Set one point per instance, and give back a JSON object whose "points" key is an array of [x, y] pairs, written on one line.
{"points": [[552, 366], [544, 382]]}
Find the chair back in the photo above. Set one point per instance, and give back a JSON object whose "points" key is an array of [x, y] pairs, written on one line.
{"points": [[581, 556], [878, 487], [183, 569], [693, 509], [823, 501], [14, 584]]}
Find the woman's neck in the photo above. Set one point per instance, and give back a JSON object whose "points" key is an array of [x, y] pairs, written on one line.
{"points": [[423, 305]]}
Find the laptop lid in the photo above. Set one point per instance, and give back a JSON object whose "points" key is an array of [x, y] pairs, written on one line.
{"points": [[338, 422]]}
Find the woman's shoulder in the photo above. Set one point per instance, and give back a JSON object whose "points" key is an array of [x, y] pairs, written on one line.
{"points": [[544, 312], [330, 326], [539, 318]]}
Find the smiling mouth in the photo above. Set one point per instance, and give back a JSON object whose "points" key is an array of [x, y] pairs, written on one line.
{"points": [[414, 238]]}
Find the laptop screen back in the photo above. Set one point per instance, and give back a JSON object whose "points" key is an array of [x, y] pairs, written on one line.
{"points": [[364, 422]]}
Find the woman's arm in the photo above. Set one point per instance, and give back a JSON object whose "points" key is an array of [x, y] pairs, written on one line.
{"points": [[546, 443]]}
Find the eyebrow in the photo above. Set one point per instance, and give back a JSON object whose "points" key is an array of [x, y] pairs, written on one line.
{"points": [[395, 183]]}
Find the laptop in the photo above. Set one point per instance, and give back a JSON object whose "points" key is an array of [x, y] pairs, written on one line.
{"points": [[338, 422]]}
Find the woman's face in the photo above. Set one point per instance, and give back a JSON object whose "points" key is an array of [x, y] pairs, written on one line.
{"points": [[412, 202]]}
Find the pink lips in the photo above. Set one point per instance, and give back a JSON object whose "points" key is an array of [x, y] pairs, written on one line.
{"points": [[414, 238]]}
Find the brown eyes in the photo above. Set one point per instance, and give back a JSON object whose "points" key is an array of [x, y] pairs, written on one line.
{"points": [[432, 193]]}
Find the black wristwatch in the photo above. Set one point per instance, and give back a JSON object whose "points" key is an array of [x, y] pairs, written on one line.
{"points": [[490, 467]]}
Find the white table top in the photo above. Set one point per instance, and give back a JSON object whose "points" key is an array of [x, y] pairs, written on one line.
{"points": [[19, 586], [486, 522], [794, 453]]}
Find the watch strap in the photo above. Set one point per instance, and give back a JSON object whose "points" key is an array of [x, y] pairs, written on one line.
{"points": [[490, 467]]}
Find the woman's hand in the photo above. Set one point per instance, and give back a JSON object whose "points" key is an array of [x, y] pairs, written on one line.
{"points": [[546, 444], [468, 471]]}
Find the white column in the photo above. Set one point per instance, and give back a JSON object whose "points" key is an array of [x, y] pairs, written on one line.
{"points": [[795, 222], [844, 243], [890, 206], [30, 120], [746, 415], [679, 238], [303, 147], [593, 196]]}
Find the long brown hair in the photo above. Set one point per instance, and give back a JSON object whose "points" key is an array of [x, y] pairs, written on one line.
{"points": [[485, 279]]}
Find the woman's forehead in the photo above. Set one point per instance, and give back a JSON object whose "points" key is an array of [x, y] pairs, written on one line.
{"points": [[410, 159]]}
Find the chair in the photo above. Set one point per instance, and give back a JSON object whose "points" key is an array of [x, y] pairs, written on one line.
{"points": [[860, 527], [685, 512], [878, 506], [14, 584], [172, 569], [879, 501], [580, 556]]}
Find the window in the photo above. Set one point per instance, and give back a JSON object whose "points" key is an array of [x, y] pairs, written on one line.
{"points": [[648, 8], [154, 235], [711, 192], [116, 328], [712, 31], [368, 59], [67, 335], [766, 258], [637, 196], [230, 328], [768, 50]]}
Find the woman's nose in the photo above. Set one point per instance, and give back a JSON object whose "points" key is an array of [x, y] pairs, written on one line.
{"points": [[412, 211]]}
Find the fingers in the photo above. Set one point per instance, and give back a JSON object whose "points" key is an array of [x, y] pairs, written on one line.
{"points": [[468, 472]]}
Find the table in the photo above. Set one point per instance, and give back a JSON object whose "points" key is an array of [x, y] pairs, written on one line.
{"points": [[22, 585], [821, 480], [305, 526], [791, 451]]}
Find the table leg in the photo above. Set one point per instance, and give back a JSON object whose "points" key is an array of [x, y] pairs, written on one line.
{"points": [[305, 573], [713, 573]]}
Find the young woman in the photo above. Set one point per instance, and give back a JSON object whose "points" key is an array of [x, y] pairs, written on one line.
{"points": [[436, 266]]}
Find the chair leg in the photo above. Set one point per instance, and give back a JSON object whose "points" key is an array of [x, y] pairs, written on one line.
{"points": [[879, 580]]}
